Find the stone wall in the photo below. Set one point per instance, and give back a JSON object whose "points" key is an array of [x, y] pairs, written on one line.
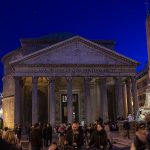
{"points": [[8, 111]]}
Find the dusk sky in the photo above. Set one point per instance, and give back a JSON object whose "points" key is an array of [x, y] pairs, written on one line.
{"points": [[120, 20]]}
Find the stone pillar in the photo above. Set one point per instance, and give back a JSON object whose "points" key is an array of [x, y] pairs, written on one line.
{"points": [[119, 97], [34, 100], [69, 100], [22, 100], [124, 93], [135, 98], [87, 100], [51, 102], [129, 100], [98, 98], [17, 101], [104, 108], [95, 102]]}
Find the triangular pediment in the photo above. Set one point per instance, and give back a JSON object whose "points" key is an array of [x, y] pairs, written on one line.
{"points": [[75, 50]]}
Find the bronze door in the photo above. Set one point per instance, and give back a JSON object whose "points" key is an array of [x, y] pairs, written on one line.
{"points": [[64, 107]]}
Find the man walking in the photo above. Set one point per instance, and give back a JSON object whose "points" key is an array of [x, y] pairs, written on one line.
{"points": [[36, 137]]}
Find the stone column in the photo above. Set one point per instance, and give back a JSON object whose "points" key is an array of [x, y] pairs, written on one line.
{"points": [[87, 100], [101, 98], [51, 102], [69, 100], [17, 101], [129, 100], [124, 93], [34, 100], [119, 97], [93, 101], [135, 98], [104, 108], [22, 100], [98, 98]]}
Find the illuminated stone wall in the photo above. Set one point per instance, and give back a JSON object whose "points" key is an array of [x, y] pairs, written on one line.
{"points": [[8, 111]]}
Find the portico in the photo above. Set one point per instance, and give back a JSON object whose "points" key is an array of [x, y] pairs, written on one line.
{"points": [[75, 79]]}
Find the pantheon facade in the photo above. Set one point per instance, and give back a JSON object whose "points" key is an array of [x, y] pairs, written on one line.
{"points": [[57, 79]]}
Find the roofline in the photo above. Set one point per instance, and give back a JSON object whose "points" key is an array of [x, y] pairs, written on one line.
{"points": [[7, 55], [112, 51], [72, 38]]}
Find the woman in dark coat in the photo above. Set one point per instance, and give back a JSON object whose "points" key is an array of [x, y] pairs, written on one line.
{"points": [[98, 140]]}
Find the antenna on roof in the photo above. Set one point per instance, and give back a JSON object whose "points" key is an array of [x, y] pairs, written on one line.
{"points": [[147, 8]]}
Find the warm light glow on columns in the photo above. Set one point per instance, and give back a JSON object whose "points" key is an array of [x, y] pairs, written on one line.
{"points": [[34, 100], [69, 100], [124, 92], [1, 113], [129, 100], [135, 98], [17, 102]]}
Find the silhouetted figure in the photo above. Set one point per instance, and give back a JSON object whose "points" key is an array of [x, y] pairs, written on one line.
{"points": [[7, 146], [98, 138], [126, 126], [48, 134], [36, 137], [140, 142], [18, 132]]}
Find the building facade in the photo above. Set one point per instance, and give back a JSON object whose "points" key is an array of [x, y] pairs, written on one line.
{"points": [[60, 80], [142, 82]]}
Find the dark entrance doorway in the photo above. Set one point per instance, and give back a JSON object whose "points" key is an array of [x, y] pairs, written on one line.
{"points": [[64, 107]]}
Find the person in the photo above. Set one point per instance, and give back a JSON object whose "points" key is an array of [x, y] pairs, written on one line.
{"points": [[18, 131], [53, 146], [4, 132], [98, 140], [130, 118], [48, 134], [126, 126], [7, 146], [44, 135], [148, 136], [74, 138], [36, 137], [61, 141], [139, 142], [109, 136], [10, 137]]}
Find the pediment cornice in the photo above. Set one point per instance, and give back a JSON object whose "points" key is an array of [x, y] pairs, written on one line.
{"points": [[74, 65], [81, 40]]}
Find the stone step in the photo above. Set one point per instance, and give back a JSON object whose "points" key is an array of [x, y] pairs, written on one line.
{"points": [[124, 142]]}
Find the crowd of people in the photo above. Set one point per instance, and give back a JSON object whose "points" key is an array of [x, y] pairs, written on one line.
{"points": [[73, 136]]}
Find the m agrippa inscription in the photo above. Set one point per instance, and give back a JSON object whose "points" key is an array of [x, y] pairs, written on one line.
{"points": [[73, 71]]}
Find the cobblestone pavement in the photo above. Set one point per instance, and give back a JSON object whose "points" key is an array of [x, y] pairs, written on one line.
{"points": [[119, 142]]}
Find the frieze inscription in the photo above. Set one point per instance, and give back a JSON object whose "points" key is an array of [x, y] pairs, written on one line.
{"points": [[73, 71]]}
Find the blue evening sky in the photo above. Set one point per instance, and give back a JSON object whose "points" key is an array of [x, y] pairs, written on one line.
{"points": [[120, 20]]}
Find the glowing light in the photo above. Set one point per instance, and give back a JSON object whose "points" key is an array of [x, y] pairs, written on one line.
{"points": [[1, 112]]}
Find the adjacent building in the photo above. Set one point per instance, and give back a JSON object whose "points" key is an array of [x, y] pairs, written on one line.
{"points": [[64, 78], [142, 82]]}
